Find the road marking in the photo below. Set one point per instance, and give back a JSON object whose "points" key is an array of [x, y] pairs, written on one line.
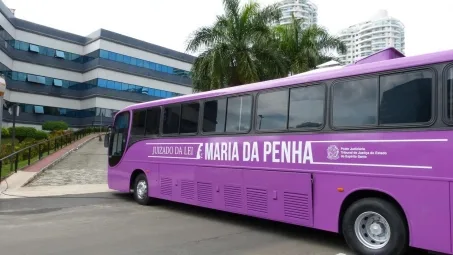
{"points": [[340, 254]]}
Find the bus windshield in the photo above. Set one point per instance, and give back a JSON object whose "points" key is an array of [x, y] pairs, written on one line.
{"points": [[118, 137]]}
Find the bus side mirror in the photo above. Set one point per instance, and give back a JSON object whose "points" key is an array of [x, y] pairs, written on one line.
{"points": [[106, 140]]}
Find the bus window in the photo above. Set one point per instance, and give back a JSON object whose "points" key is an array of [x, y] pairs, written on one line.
{"points": [[239, 113], [152, 121], [189, 118], [172, 116], [214, 116], [138, 123], [118, 139], [449, 92], [406, 97], [306, 107], [355, 103], [271, 115]]}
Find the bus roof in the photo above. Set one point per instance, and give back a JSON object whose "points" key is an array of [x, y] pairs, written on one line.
{"points": [[385, 60]]}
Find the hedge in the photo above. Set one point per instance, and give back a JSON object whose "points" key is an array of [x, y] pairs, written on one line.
{"points": [[5, 133], [55, 125], [28, 132]]}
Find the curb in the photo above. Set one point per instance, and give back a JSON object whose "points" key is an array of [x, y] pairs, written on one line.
{"points": [[42, 170]]}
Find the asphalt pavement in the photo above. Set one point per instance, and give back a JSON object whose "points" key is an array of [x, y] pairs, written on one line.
{"points": [[110, 224]]}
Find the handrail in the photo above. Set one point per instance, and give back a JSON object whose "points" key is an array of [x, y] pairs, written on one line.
{"points": [[32, 146], [60, 140]]}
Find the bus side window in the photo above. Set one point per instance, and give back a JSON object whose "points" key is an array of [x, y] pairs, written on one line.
{"points": [[355, 103], [138, 123], [449, 96], [152, 121], [406, 97], [239, 114], [306, 107], [189, 118], [172, 119], [214, 116], [272, 110]]}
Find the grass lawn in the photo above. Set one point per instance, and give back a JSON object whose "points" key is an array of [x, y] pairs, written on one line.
{"points": [[7, 169]]}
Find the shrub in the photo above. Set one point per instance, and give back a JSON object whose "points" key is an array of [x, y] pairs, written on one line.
{"points": [[5, 133], [23, 132], [60, 133], [55, 125], [28, 132], [40, 135]]}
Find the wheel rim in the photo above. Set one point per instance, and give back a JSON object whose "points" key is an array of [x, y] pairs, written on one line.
{"points": [[372, 230], [142, 189]]}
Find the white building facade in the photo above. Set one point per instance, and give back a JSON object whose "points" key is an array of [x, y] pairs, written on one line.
{"points": [[368, 37], [302, 9], [55, 75]]}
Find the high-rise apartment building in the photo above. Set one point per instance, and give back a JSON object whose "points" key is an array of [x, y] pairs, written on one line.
{"points": [[302, 9], [368, 37], [55, 75]]}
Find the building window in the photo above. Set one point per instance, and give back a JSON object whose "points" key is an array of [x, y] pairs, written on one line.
{"points": [[36, 79], [32, 78], [103, 54], [60, 54], [34, 48], [39, 109], [57, 82]]}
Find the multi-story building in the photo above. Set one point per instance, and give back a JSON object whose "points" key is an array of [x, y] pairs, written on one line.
{"points": [[302, 9], [56, 75], [368, 37]]}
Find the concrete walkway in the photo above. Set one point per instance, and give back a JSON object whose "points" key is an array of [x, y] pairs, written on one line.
{"points": [[87, 165], [15, 182]]}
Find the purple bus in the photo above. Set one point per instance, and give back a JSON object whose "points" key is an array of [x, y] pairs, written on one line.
{"points": [[361, 150]]}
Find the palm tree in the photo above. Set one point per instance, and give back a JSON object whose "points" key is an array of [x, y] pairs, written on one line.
{"points": [[239, 48], [306, 48]]}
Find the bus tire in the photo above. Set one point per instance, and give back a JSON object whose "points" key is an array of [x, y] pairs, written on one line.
{"points": [[141, 190], [373, 226]]}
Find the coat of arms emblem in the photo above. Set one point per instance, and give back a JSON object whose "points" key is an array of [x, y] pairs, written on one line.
{"points": [[333, 152]]}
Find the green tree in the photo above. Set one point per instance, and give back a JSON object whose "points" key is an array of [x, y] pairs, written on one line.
{"points": [[306, 48], [239, 48]]}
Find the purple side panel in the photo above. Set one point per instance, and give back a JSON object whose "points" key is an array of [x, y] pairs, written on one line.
{"points": [[425, 203], [451, 214], [118, 177], [152, 172], [270, 176], [278, 195]]}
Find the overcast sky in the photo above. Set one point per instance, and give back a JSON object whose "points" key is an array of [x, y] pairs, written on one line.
{"points": [[169, 22]]}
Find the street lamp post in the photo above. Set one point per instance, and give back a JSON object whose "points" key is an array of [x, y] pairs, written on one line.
{"points": [[100, 127], [14, 111], [2, 92]]}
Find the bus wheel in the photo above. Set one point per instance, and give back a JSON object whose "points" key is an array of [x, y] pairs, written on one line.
{"points": [[375, 226], [141, 190]]}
